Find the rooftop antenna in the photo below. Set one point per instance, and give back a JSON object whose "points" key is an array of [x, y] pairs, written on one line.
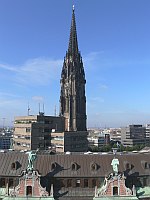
{"points": [[43, 108], [39, 108], [28, 109], [55, 113], [41, 113], [3, 122]]}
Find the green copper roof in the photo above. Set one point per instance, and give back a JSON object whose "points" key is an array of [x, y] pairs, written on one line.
{"points": [[116, 198], [29, 198], [143, 192]]}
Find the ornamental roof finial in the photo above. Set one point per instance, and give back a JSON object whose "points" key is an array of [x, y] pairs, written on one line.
{"points": [[73, 7]]}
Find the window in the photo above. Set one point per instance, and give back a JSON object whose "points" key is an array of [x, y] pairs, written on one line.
{"points": [[73, 146], [29, 191], [2, 182], [69, 183], [115, 190], [144, 182], [53, 166], [74, 167], [93, 166], [93, 183], [18, 143], [13, 166], [146, 166], [11, 182], [62, 183], [78, 183], [47, 137], [86, 183], [46, 130], [28, 130], [27, 137], [127, 166]]}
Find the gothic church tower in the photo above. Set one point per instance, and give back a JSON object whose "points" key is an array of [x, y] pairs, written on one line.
{"points": [[72, 97]]}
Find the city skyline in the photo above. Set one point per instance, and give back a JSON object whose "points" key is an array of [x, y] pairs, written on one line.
{"points": [[113, 38]]}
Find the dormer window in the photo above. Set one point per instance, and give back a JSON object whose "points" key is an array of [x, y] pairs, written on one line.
{"points": [[146, 165], [93, 166], [14, 166], [53, 166], [74, 167], [127, 166]]}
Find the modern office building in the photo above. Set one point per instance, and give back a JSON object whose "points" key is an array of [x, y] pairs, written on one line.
{"points": [[148, 132], [6, 138], [99, 141], [71, 141], [6, 141], [34, 132], [134, 135]]}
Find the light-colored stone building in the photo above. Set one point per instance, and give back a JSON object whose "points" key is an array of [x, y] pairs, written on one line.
{"points": [[34, 132]]}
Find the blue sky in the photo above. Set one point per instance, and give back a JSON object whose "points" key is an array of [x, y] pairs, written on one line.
{"points": [[114, 40]]}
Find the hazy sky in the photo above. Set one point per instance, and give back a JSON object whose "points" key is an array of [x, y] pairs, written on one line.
{"points": [[114, 40]]}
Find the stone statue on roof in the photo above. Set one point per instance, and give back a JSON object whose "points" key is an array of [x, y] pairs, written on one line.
{"points": [[115, 163], [31, 157]]}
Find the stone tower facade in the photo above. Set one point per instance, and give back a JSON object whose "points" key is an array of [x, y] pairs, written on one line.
{"points": [[72, 97]]}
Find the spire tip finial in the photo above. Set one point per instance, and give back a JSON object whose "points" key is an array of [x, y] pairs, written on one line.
{"points": [[73, 7]]}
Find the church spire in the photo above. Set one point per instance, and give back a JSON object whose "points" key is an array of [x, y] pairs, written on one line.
{"points": [[73, 43], [72, 95]]}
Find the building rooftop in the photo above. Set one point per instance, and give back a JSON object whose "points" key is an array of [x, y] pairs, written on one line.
{"points": [[137, 163]]}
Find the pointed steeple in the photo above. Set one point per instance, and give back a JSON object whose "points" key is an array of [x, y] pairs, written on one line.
{"points": [[72, 98], [73, 43]]}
